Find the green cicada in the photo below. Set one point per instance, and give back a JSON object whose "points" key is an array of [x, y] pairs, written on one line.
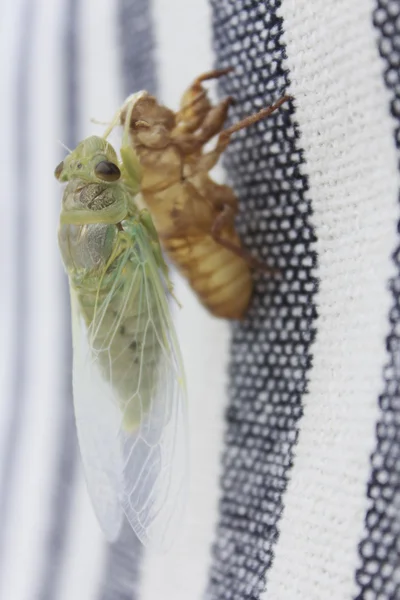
{"points": [[129, 387]]}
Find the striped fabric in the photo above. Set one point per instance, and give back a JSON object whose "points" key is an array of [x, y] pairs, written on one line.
{"points": [[294, 412]]}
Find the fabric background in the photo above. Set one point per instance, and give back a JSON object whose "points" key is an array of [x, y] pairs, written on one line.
{"points": [[294, 412]]}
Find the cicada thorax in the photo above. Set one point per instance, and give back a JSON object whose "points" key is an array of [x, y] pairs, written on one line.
{"points": [[119, 317]]}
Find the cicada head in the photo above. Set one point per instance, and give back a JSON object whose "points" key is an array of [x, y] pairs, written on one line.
{"points": [[92, 159], [95, 192]]}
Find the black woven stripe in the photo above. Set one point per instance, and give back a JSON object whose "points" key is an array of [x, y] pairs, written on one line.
{"points": [[122, 570], [271, 349], [379, 574]]}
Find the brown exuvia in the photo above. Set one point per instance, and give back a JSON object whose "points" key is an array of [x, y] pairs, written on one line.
{"points": [[194, 216]]}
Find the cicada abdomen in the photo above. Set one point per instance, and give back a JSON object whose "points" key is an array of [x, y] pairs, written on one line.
{"points": [[121, 321]]}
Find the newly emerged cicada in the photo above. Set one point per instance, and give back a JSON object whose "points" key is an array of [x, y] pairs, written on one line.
{"points": [[194, 216], [128, 380]]}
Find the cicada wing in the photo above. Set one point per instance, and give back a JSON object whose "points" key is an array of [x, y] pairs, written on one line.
{"points": [[155, 470], [98, 423], [130, 404]]}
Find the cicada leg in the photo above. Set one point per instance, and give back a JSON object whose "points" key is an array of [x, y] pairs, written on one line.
{"points": [[195, 92], [264, 113], [210, 159], [214, 74], [131, 164], [130, 160], [197, 121], [212, 123]]}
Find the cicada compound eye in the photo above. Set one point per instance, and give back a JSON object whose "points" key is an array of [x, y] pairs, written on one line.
{"points": [[58, 170], [107, 171]]}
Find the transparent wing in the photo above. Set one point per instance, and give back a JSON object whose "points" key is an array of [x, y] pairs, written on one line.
{"points": [[130, 402]]}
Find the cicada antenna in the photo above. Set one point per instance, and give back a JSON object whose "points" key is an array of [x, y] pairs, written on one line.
{"points": [[64, 146]]}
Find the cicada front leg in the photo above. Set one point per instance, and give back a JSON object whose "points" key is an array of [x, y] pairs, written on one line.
{"points": [[194, 101], [129, 158], [198, 121], [132, 169], [212, 122]]}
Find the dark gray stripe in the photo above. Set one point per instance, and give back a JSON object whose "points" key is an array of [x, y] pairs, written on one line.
{"points": [[66, 467], [18, 366], [379, 573], [121, 577], [271, 348], [137, 46], [122, 570]]}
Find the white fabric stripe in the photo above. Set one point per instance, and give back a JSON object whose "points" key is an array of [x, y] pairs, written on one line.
{"points": [[84, 556], [183, 50], [9, 53], [35, 466], [9, 48], [12, 339], [65, 467], [100, 83], [342, 111], [99, 93]]}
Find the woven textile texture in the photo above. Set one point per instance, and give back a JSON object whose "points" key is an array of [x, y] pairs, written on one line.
{"points": [[271, 349], [294, 412], [379, 574]]}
